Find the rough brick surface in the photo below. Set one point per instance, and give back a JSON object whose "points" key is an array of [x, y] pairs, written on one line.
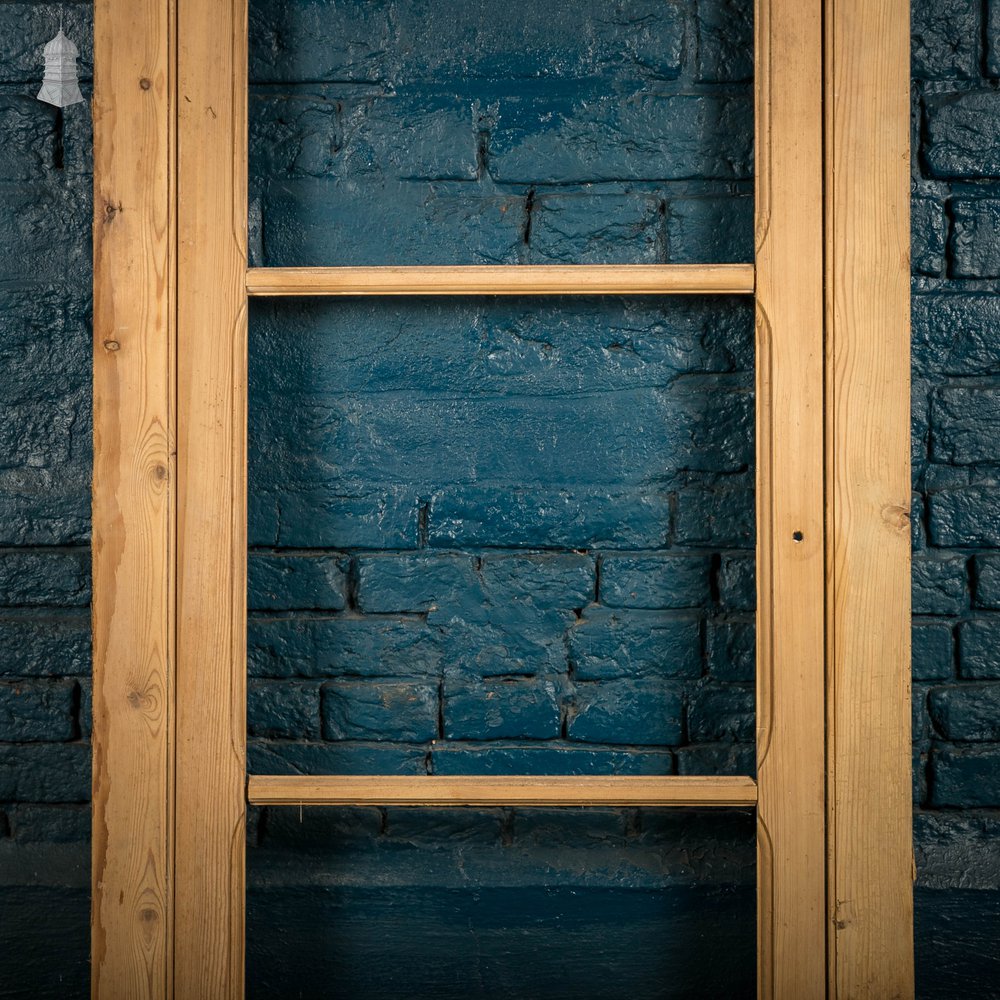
{"points": [[406, 711], [37, 711], [637, 712]]}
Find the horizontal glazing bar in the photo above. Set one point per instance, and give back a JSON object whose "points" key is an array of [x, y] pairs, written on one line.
{"points": [[491, 790], [531, 279]]}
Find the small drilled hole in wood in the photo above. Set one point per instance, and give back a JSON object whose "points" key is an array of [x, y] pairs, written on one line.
{"points": [[797, 536]]}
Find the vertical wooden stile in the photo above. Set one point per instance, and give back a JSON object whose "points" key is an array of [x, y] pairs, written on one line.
{"points": [[790, 527], [211, 533], [133, 500], [868, 495]]}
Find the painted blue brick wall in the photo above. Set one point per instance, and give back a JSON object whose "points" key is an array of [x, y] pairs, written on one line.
{"points": [[492, 537]]}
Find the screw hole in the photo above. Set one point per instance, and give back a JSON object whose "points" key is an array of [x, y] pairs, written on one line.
{"points": [[797, 536]]}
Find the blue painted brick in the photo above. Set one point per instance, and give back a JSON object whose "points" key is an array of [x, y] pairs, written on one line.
{"points": [[527, 708], [711, 229], [50, 824], [716, 758], [953, 334], [721, 713], [549, 758], [361, 135], [731, 648], [571, 517], [56, 578], [503, 639], [945, 39], [417, 582], [967, 712], [316, 40], [39, 644], [436, 440], [965, 515], [962, 132], [554, 831], [933, 651], [310, 221], [405, 711], [39, 251], [281, 709], [966, 424], [920, 728], [718, 515], [298, 757], [979, 649], [341, 645], [928, 228], [428, 829], [28, 126], [975, 236], [965, 777], [601, 136], [993, 39], [539, 579], [409, 44], [589, 228], [987, 580], [725, 40], [85, 710], [606, 645], [737, 583], [321, 515], [37, 710], [654, 580], [306, 831], [309, 349], [283, 581], [940, 585], [37, 435], [45, 772], [638, 712]]}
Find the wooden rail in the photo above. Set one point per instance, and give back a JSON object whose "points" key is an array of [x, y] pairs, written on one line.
{"points": [[530, 279], [462, 790]]}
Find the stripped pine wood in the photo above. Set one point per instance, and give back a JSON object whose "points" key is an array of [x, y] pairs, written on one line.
{"points": [[791, 877], [171, 282], [868, 497], [133, 501], [491, 790], [531, 279], [211, 532]]}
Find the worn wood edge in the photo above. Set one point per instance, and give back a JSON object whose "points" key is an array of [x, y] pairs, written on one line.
{"points": [[133, 500], [492, 790], [529, 279]]}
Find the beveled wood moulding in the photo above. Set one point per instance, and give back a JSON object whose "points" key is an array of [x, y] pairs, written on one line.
{"points": [[512, 279], [492, 790]]}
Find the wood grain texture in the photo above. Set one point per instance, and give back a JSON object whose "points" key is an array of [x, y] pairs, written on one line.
{"points": [[211, 532], [133, 501], [790, 515], [530, 279], [491, 790], [868, 477]]}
